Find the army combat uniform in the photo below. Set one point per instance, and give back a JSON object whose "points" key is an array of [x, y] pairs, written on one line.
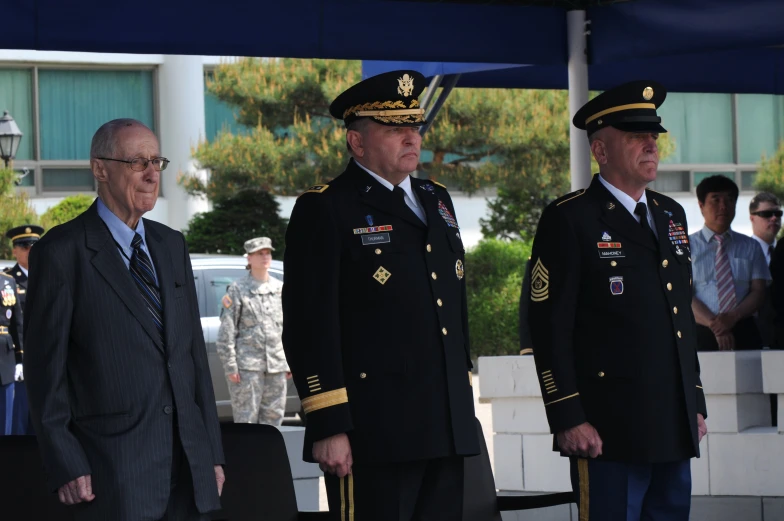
{"points": [[249, 343]]}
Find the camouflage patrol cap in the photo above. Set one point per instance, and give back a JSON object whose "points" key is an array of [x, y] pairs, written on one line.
{"points": [[259, 243]]}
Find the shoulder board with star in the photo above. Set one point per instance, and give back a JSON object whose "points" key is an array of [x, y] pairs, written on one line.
{"points": [[316, 189], [437, 184], [570, 196]]}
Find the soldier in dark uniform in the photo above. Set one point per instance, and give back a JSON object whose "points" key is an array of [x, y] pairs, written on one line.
{"points": [[10, 348], [614, 336], [22, 238], [375, 320]]}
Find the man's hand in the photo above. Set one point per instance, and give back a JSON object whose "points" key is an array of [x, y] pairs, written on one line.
{"points": [[582, 440], [702, 429], [76, 491], [726, 342], [19, 376], [334, 455], [220, 478], [723, 323], [234, 378]]}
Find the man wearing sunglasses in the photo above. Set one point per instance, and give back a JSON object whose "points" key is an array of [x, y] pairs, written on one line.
{"points": [[765, 215], [116, 368]]}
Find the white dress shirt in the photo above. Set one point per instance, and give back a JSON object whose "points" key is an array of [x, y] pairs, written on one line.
{"points": [[766, 248], [411, 200], [630, 204]]}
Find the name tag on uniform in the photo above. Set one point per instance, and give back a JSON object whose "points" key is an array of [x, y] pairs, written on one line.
{"points": [[611, 254], [376, 238]]}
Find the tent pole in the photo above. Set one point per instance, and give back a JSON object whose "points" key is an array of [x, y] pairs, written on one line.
{"points": [[449, 84], [431, 90], [579, 157]]}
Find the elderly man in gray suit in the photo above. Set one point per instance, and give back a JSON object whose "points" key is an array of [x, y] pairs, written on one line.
{"points": [[116, 370]]}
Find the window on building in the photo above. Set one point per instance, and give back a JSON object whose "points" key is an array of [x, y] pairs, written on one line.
{"points": [[59, 110], [218, 115], [718, 134]]}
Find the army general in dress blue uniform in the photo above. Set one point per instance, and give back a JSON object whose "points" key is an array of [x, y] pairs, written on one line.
{"points": [[375, 322], [614, 336]]}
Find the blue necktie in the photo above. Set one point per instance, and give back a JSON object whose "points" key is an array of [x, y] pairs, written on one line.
{"points": [[142, 273]]}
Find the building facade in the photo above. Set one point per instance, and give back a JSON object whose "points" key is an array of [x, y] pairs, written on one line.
{"points": [[59, 99]]}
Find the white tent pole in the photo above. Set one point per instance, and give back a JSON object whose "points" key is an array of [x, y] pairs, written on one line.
{"points": [[579, 157]]}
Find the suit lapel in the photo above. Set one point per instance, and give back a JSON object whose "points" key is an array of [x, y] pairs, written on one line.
{"points": [[378, 196], [164, 268], [109, 264], [429, 201], [618, 218]]}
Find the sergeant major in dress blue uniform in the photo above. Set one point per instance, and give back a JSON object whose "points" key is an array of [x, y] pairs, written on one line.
{"points": [[22, 238], [375, 323], [613, 332]]}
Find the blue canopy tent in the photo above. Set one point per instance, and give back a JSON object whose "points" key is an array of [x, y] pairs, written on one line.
{"points": [[557, 39], [688, 45]]}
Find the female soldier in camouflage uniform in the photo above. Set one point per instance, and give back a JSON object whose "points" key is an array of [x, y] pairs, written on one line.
{"points": [[249, 341]]}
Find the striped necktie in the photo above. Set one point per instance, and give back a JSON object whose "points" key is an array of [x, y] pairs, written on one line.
{"points": [[142, 273], [724, 282]]}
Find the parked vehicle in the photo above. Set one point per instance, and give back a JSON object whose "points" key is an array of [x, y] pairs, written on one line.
{"points": [[213, 274]]}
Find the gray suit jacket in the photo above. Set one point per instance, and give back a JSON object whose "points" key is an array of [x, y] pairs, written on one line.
{"points": [[103, 389]]}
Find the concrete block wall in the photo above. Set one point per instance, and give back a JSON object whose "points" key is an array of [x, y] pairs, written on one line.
{"points": [[742, 457]]}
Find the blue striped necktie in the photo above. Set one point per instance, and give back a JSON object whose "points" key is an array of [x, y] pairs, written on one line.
{"points": [[142, 273]]}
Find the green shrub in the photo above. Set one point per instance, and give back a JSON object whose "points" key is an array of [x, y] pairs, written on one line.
{"points": [[67, 209], [15, 210], [249, 214], [494, 277]]}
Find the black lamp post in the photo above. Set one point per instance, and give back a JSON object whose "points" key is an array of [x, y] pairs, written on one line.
{"points": [[10, 136]]}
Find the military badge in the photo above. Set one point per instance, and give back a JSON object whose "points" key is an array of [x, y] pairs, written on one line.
{"points": [[459, 270], [9, 298], [373, 229], [427, 187], [382, 275], [606, 237], [369, 219], [8, 314], [540, 282], [616, 285], [405, 85], [678, 250], [226, 300], [447, 216], [611, 206]]}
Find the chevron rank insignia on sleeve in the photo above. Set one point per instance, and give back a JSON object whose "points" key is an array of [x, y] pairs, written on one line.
{"points": [[540, 282]]}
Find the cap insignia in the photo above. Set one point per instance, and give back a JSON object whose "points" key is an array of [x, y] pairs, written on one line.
{"points": [[405, 85], [647, 93], [28, 230]]}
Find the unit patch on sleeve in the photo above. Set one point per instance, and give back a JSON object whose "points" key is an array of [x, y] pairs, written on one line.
{"points": [[540, 282], [226, 301]]}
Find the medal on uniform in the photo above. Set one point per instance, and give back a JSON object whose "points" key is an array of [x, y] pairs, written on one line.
{"points": [[446, 215], [459, 270], [606, 237], [8, 313]]}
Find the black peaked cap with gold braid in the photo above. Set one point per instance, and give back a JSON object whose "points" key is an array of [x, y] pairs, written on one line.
{"points": [[25, 234], [630, 107], [391, 98]]}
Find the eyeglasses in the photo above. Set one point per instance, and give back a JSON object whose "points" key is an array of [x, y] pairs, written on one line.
{"points": [[139, 164], [767, 214]]}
